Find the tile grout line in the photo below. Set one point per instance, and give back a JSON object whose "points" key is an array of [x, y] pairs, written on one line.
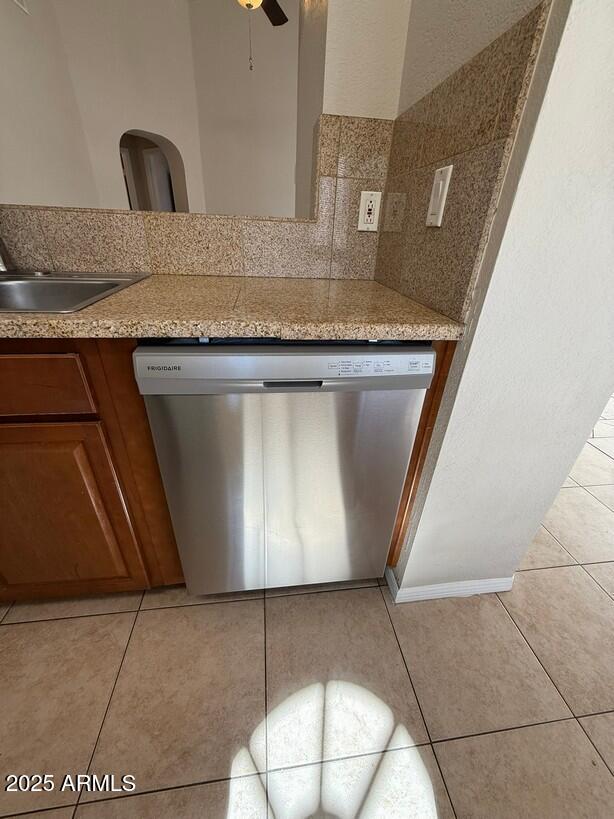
{"points": [[266, 707], [68, 617], [586, 486], [328, 760], [385, 192], [411, 682], [449, 160], [36, 811], [332, 234], [41, 227], [503, 730], [148, 248], [175, 605], [596, 713], [204, 782], [554, 684], [431, 742], [240, 290], [545, 568], [599, 486], [374, 776], [396, 637], [590, 441], [242, 244], [559, 542], [106, 710], [595, 747], [594, 579], [200, 783], [578, 562], [167, 789], [320, 591], [336, 177], [502, 99], [10, 606], [497, 594]]}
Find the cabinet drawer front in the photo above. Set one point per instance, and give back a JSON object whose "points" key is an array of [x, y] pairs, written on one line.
{"points": [[44, 385]]}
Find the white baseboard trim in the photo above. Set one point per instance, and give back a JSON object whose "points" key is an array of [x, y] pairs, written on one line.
{"points": [[392, 582], [461, 588]]}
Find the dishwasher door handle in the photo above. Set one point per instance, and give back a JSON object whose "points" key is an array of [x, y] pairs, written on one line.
{"points": [[293, 386], [343, 384]]}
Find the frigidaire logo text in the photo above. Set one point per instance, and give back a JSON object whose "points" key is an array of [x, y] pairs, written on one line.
{"points": [[164, 367]]}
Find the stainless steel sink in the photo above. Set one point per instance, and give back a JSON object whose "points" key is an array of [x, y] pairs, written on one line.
{"points": [[57, 292]]}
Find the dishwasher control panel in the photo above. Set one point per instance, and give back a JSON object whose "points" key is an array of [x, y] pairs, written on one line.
{"points": [[254, 368], [381, 365]]}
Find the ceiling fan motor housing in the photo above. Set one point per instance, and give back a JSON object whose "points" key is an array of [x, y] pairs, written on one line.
{"points": [[271, 8]]}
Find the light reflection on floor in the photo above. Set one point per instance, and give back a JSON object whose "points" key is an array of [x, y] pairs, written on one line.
{"points": [[333, 751]]}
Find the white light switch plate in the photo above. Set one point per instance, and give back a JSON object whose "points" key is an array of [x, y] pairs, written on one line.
{"points": [[439, 191], [368, 214]]}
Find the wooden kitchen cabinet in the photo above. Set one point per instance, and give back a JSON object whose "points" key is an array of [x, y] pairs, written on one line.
{"points": [[82, 508], [64, 522], [41, 385]]}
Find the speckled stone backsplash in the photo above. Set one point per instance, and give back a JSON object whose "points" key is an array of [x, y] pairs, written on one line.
{"points": [[468, 121], [352, 155]]}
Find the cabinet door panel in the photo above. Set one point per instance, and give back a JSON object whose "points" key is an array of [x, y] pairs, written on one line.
{"points": [[63, 520]]}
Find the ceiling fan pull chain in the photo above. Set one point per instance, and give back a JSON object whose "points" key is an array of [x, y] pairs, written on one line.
{"points": [[249, 28]]}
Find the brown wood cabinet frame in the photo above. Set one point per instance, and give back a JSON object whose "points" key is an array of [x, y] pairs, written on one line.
{"points": [[107, 364], [445, 352]]}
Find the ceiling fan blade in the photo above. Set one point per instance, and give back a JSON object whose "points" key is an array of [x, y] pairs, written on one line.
{"points": [[274, 12]]}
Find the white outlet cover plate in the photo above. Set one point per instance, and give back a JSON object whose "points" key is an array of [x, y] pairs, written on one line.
{"points": [[439, 192], [368, 214]]}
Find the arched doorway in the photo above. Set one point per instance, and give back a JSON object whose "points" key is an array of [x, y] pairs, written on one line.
{"points": [[153, 172]]}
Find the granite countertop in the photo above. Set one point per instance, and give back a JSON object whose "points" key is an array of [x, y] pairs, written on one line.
{"points": [[192, 306]]}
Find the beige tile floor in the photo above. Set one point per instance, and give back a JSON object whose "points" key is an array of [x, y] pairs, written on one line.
{"points": [[332, 702]]}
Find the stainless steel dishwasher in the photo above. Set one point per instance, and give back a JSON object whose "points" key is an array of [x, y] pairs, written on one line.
{"points": [[282, 464]]}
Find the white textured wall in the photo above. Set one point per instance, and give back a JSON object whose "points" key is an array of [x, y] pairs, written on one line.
{"points": [[43, 152], [79, 74], [247, 118], [444, 34], [541, 364], [135, 73], [310, 97], [365, 49]]}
